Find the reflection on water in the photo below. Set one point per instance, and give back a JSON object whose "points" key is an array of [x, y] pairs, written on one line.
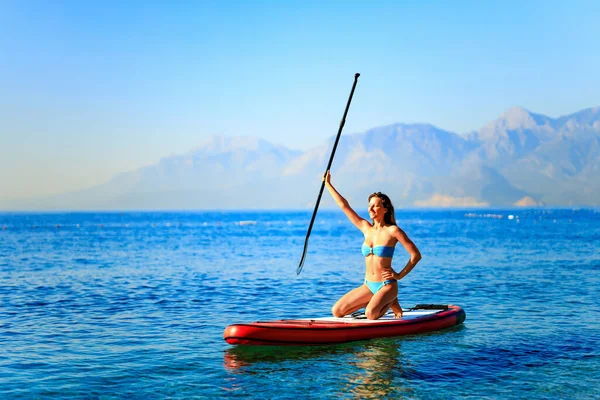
{"points": [[376, 367], [239, 359], [366, 369]]}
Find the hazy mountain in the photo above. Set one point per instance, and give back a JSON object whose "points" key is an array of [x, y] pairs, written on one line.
{"points": [[564, 167], [219, 163], [520, 158], [514, 135]]}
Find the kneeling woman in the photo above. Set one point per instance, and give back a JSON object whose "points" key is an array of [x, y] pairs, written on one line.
{"points": [[379, 293]]}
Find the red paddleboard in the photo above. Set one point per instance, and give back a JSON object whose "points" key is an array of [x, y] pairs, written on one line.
{"points": [[330, 330]]}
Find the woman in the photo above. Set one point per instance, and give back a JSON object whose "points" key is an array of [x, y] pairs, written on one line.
{"points": [[379, 293]]}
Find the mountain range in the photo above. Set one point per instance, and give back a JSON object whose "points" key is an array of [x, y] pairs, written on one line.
{"points": [[519, 159]]}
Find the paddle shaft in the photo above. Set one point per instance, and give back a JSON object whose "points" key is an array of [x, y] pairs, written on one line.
{"points": [[337, 139]]}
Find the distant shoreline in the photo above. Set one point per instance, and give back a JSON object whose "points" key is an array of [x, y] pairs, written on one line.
{"points": [[301, 210]]}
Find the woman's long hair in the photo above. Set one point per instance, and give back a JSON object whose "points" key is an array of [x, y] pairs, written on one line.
{"points": [[389, 217]]}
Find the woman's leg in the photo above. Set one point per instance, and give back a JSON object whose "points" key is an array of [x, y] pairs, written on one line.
{"points": [[396, 308], [352, 301], [382, 301]]}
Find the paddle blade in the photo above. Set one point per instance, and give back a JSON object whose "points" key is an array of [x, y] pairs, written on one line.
{"points": [[299, 268], [301, 265]]}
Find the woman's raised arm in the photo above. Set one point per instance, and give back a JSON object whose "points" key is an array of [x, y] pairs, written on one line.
{"points": [[359, 222]]}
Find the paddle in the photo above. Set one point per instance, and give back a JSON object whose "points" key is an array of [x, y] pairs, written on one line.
{"points": [[337, 139]]}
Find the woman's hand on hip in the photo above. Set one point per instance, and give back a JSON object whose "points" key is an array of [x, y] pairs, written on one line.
{"points": [[388, 273]]}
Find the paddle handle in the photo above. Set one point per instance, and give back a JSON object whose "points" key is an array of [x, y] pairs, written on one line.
{"points": [[337, 139]]}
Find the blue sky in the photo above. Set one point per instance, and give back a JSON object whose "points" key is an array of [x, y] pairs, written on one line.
{"points": [[90, 89]]}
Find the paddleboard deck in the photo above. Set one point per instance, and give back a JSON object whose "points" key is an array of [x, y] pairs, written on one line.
{"points": [[330, 330]]}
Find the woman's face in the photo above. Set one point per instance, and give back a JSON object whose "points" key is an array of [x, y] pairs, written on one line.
{"points": [[376, 208]]}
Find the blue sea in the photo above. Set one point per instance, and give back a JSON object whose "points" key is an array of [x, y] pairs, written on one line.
{"points": [[134, 304]]}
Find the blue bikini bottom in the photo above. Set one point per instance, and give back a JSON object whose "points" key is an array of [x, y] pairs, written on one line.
{"points": [[374, 287]]}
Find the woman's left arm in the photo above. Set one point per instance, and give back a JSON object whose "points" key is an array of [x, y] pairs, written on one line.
{"points": [[415, 254]]}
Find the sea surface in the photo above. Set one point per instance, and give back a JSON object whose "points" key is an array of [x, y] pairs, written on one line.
{"points": [[133, 305]]}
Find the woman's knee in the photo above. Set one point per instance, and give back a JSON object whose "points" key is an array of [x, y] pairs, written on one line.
{"points": [[372, 313], [336, 311]]}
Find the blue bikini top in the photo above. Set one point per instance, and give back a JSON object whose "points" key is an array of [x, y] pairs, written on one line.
{"points": [[381, 251]]}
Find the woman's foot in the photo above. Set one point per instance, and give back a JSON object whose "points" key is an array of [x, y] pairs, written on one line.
{"points": [[396, 309]]}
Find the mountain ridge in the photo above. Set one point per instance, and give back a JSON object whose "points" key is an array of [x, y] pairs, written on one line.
{"points": [[517, 159]]}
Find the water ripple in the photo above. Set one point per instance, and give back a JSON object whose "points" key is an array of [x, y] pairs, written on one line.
{"points": [[133, 305]]}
